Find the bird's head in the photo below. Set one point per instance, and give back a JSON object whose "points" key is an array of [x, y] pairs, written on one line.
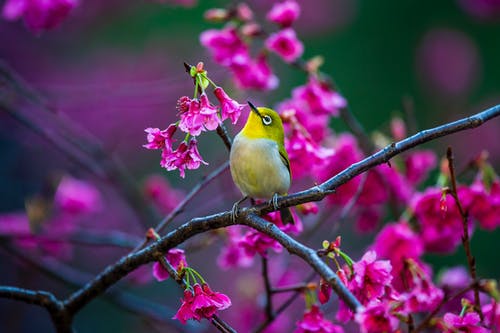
{"points": [[264, 123]]}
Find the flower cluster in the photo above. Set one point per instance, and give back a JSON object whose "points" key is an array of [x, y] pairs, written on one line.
{"points": [[230, 46], [197, 115]]}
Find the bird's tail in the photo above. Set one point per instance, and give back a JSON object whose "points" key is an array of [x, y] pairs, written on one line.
{"points": [[286, 215]]}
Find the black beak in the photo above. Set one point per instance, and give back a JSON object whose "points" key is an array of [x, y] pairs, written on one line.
{"points": [[254, 109]]}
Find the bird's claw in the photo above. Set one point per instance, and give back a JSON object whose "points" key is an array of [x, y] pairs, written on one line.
{"points": [[234, 212], [274, 201]]}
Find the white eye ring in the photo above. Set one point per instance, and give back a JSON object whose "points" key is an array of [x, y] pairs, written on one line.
{"points": [[266, 120]]}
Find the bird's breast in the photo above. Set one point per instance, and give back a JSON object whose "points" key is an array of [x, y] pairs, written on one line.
{"points": [[257, 167]]}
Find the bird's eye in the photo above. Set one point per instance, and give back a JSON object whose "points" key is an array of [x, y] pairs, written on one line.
{"points": [[266, 120]]}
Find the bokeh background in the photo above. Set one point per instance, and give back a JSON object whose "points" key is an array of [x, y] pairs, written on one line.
{"points": [[115, 67]]}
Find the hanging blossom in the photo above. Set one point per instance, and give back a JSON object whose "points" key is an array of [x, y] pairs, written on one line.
{"points": [[38, 15], [186, 156], [201, 302], [196, 116]]}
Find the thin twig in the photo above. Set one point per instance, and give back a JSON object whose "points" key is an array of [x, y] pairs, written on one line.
{"points": [[283, 306], [471, 261], [267, 288]]}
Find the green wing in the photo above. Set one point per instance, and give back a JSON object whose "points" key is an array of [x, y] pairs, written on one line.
{"points": [[284, 158]]}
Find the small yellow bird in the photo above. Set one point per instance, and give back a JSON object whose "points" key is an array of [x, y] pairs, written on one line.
{"points": [[259, 162]]}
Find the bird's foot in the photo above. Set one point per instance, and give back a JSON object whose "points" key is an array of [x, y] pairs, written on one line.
{"points": [[274, 201], [236, 208]]}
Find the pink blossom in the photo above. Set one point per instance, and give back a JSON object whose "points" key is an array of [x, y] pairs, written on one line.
{"points": [[200, 116], [186, 156], [470, 322], [418, 164], [308, 208], [284, 13], [201, 302], [76, 197], [492, 315], [229, 107], [421, 293], [254, 242], [233, 255], [313, 321], [346, 153], [397, 242], [208, 112], [305, 155], [286, 44], [160, 139], [316, 125], [294, 228], [376, 317], [485, 204], [254, 74], [176, 258], [158, 190], [225, 45], [38, 15], [319, 97], [371, 277], [440, 221]]}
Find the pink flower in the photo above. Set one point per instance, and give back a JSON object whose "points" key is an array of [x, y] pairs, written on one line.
{"points": [[200, 116], [284, 13], [229, 107], [485, 204], [452, 280], [418, 164], [470, 323], [286, 44], [38, 15], [176, 258], [368, 219], [254, 74], [210, 118], [397, 242], [76, 197], [295, 228], [421, 295], [316, 125], [254, 242], [440, 221], [225, 45], [163, 196], [346, 153], [371, 277], [305, 155], [376, 317], [492, 315], [201, 302], [313, 321], [160, 139], [186, 156], [319, 97], [233, 255]]}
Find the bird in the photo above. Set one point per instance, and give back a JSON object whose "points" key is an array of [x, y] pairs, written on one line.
{"points": [[259, 163]]}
